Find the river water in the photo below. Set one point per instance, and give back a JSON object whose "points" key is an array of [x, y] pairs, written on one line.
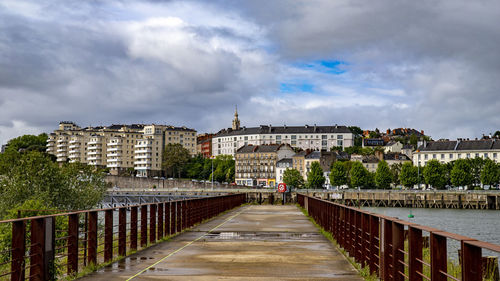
{"points": [[482, 225]]}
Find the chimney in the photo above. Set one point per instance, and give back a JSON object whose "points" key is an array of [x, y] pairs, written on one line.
{"points": [[270, 128], [388, 131], [422, 132], [379, 155], [315, 128], [306, 126]]}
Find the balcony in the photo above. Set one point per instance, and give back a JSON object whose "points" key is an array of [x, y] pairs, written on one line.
{"points": [[95, 142], [95, 163], [144, 145], [113, 165], [61, 159], [50, 149], [112, 149], [143, 156], [113, 154], [73, 161], [74, 141], [61, 155], [143, 151], [142, 162], [62, 141], [95, 152], [51, 140], [113, 160], [94, 158], [74, 156], [73, 146], [114, 143], [143, 168], [61, 151], [61, 145]]}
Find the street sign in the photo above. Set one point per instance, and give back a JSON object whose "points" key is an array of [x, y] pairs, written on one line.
{"points": [[282, 187]]}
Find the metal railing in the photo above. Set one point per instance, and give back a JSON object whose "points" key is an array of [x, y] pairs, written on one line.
{"points": [[394, 249], [47, 247]]}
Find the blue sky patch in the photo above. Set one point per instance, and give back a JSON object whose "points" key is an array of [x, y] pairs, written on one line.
{"points": [[324, 66], [296, 87]]}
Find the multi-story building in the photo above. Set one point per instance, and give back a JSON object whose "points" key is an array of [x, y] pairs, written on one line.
{"points": [[228, 141], [120, 148], [255, 165], [182, 135], [281, 166], [204, 145], [446, 151]]}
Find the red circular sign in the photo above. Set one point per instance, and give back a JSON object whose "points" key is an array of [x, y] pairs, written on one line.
{"points": [[282, 187]]}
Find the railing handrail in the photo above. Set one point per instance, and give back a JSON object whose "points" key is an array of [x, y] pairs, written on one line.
{"points": [[102, 209]]}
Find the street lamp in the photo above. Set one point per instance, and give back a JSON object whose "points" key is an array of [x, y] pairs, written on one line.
{"points": [[211, 157]]}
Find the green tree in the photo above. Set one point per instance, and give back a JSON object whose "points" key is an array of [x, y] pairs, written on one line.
{"points": [[395, 171], [360, 177], [408, 175], [357, 132], [433, 174], [34, 176], [491, 173], [293, 178], [28, 143], [175, 158], [230, 175], [338, 174], [460, 174], [413, 140], [476, 168], [315, 178], [383, 176]]}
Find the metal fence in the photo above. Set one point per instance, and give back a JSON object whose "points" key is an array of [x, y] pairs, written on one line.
{"points": [[394, 249], [47, 247]]}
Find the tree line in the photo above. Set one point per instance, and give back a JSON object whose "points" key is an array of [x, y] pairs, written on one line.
{"points": [[177, 162], [471, 173]]}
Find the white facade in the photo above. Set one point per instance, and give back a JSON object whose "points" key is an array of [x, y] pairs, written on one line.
{"points": [[448, 151], [228, 143]]}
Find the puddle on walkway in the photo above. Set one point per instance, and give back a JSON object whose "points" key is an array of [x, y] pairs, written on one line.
{"points": [[124, 264], [259, 236]]}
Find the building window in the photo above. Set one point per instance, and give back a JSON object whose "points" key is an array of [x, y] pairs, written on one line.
{"points": [[495, 155], [294, 142], [433, 156], [451, 156], [339, 137], [294, 137], [340, 143], [323, 137], [468, 155], [425, 156], [486, 155], [442, 156], [477, 155]]}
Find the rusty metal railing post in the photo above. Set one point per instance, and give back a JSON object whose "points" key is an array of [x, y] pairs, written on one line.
{"points": [[122, 231], [73, 244], [178, 208], [37, 270], [438, 257], [18, 249], [173, 217], [166, 219], [152, 223], [160, 220], [108, 235], [133, 228], [386, 250], [414, 253], [144, 225], [471, 262], [92, 238], [398, 244], [374, 244]]}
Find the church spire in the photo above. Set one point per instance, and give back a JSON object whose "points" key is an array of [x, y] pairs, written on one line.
{"points": [[236, 121]]}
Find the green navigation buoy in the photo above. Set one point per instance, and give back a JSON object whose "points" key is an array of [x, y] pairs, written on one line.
{"points": [[411, 216]]}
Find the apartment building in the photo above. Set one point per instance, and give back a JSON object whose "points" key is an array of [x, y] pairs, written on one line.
{"points": [[446, 151], [281, 166], [256, 164], [204, 145], [120, 148]]}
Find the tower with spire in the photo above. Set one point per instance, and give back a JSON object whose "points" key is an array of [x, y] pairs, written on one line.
{"points": [[236, 121]]}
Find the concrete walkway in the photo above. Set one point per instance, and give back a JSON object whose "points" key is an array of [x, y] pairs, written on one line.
{"points": [[249, 243]]}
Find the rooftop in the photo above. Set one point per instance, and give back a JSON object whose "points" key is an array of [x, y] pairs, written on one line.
{"points": [[265, 129]]}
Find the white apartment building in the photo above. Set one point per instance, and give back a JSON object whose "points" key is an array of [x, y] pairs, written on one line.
{"points": [[448, 151], [120, 148], [227, 141]]}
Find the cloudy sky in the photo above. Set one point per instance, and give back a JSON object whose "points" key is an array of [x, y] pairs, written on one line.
{"points": [[429, 65]]}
